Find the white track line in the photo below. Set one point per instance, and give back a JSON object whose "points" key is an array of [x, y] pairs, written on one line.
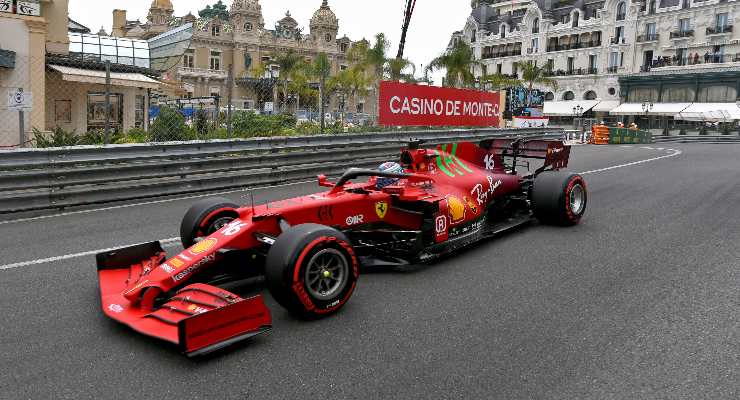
{"points": [[174, 241], [675, 153], [165, 243], [195, 196]]}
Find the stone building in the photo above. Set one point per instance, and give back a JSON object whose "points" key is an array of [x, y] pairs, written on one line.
{"points": [[243, 42], [594, 48]]}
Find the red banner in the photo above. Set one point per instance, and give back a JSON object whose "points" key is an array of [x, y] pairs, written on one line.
{"points": [[403, 104]]}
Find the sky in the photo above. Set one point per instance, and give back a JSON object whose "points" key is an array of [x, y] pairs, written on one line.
{"points": [[428, 36]]}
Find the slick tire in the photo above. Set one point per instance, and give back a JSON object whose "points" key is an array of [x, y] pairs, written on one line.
{"points": [[559, 198], [206, 217], [311, 270]]}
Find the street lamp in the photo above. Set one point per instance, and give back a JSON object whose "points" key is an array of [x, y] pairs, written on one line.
{"points": [[647, 107], [578, 111]]}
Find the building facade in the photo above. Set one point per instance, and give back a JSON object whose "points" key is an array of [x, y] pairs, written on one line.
{"points": [[243, 44], [591, 46]]}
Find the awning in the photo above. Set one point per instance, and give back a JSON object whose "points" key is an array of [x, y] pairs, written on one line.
{"points": [[565, 108], [606, 106], [128, 79], [662, 109], [714, 112]]}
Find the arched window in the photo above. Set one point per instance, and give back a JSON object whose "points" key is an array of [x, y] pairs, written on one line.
{"points": [[576, 16], [568, 95], [327, 37], [503, 31], [248, 27], [621, 11], [536, 26], [590, 95], [550, 96]]}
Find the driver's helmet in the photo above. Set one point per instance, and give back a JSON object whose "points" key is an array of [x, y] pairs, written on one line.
{"points": [[392, 167]]}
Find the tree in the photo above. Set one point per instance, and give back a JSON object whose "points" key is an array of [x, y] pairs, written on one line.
{"points": [[534, 75], [499, 82], [395, 68], [348, 83], [290, 63], [218, 10], [458, 63], [321, 68]]}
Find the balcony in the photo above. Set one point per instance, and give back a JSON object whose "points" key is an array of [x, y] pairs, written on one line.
{"points": [[201, 73], [500, 54], [572, 72], [612, 70], [718, 30], [617, 40], [573, 46], [695, 60], [682, 34], [648, 37]]}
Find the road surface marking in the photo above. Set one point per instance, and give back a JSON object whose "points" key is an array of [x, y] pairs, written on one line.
{"points": [[675, 153], [165, 243], [173, 241]]}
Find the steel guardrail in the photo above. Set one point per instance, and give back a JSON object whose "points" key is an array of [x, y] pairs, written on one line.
{"points": [[57, 178]]}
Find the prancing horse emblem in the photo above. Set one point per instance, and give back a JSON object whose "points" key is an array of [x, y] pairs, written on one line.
{"points": [[381, 208]]}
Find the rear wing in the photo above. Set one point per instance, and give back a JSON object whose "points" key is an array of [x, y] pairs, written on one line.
{"points": [[555, 153]]}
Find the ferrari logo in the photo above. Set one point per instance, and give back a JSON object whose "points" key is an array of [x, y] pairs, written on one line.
{"points": [[381, 208]]}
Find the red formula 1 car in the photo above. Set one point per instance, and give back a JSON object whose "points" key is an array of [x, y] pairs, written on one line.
{"points": [[309, 249]]}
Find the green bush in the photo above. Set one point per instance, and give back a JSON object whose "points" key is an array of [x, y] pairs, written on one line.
{"points": [[169, 126], [134, 135], [248, 124], [58, 138]]}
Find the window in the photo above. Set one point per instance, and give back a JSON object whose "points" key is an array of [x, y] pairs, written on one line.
{"points": [[569, 96], [642, 94], [685, 4], [215, 30], [139, 107], [536, 26], [576, 15], [188, 59], [248, 104], [651, 31], [503, 31], [621, 11], [215, 60], [678, 93], [550, 96], [535, 45], [592, 63], [682, 55], [327, 37], [590, 95], [514, 71], [613, 60], [360, 108], [342, 67], [472, 36], [343, 47], [571, 62], [96, 111], [651, 7], [550, 64], [717, 94], [721, 22], [498, 69], [248, 27], [619, 34], [684, 25], [215, 91], [612, 91]]}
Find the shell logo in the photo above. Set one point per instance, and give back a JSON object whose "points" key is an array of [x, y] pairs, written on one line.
{"points": [[471, 204], [203, 246], [456, 209]]}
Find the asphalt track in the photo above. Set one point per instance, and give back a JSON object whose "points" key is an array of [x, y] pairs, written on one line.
{"points": [[640, 301]]}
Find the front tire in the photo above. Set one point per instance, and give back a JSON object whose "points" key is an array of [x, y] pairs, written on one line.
{"points": [[559, 198], [311, 270], [206, 217]]}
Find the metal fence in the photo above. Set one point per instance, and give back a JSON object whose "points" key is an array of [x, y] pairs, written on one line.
{"points": [[36, 179], [85, 101]]}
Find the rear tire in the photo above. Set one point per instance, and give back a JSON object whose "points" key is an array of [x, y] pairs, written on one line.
{"points": [[311, 270], [206, 217], [559, 198]]}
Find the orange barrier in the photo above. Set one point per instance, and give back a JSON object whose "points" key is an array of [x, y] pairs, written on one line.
{"points": [[599, 134]]}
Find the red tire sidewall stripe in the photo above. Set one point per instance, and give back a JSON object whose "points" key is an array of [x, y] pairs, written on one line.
{"points": [[298, 283], [213, 214], [572, 183]]}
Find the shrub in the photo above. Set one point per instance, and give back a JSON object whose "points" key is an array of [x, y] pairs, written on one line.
{"points": [[169, 126], [58, 138], [248, 124]]}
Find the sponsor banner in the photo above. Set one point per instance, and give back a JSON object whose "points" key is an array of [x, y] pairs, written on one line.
{"points": [[530, 122], [403, 104]]}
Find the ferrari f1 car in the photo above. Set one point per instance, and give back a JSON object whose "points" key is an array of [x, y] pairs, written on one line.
{"points": [[309, 250]]}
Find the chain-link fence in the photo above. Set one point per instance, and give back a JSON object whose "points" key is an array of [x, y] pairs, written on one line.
{"points": [[79, 101]]}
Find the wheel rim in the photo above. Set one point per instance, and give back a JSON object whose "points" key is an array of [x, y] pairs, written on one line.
{"points": [[218, 224], [577, 199], [326, 274]]}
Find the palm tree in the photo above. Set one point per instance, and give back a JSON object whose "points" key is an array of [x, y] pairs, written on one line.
{"points": [[348, 83], [533, 75], [499, 82], [289, 63], [395, 68], [321, 68], [458, 63]]}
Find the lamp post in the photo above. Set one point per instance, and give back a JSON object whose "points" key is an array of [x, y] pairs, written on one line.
{"points": [[647, 107], [578, 111]]}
